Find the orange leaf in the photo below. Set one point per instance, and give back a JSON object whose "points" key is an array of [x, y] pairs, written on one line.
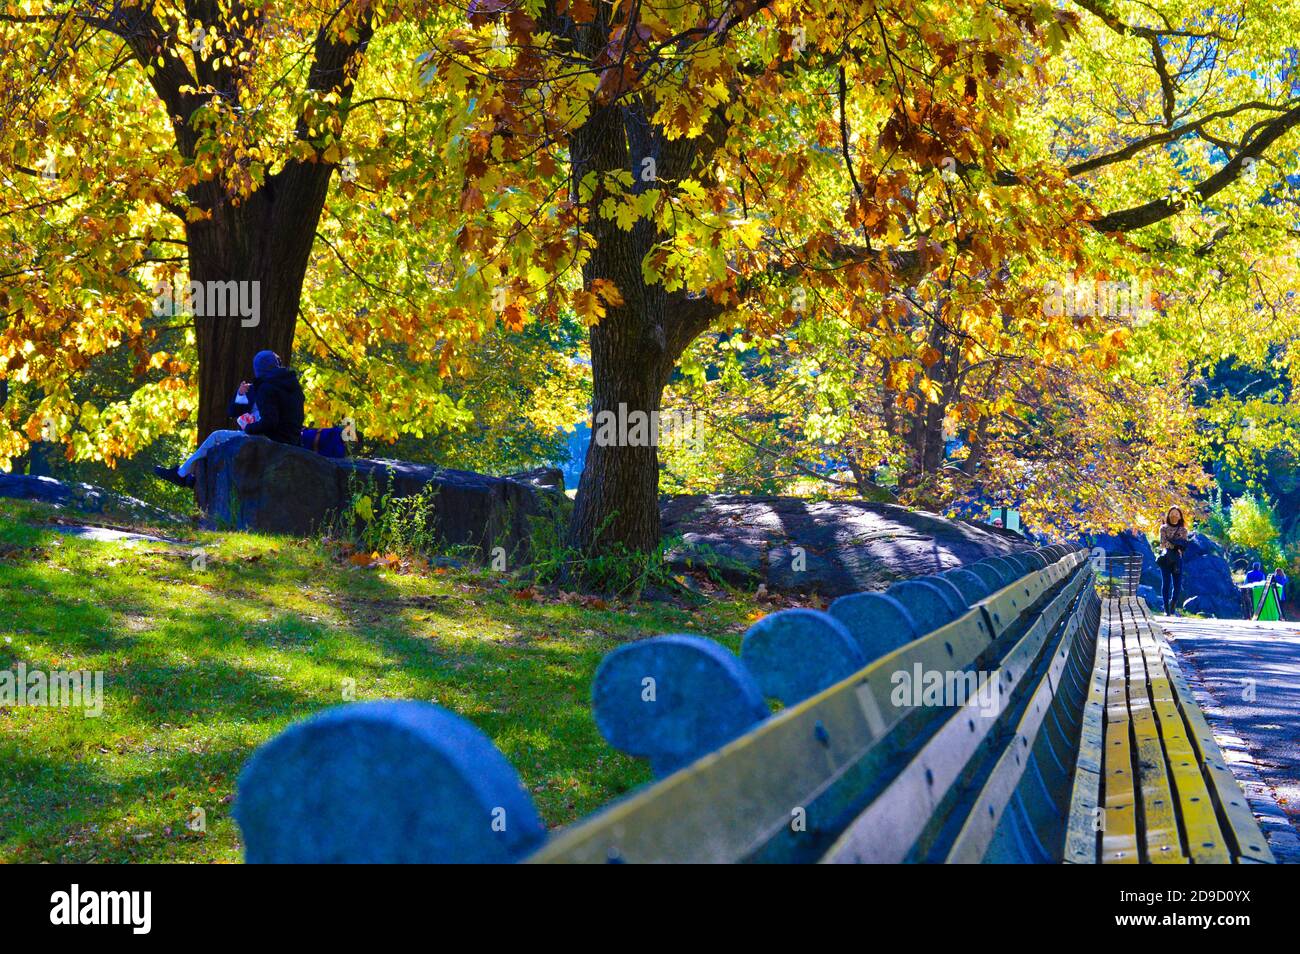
{"points": [[608, 292]]}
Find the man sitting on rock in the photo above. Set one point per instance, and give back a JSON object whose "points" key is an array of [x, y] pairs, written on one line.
{"points": [[272, 405]]}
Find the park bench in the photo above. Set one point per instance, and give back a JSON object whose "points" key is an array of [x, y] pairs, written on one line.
{"points": [[1151, 783], [938, 721]]}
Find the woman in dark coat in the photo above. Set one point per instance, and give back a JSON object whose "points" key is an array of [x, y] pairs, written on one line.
{"points": [[1173, 541]]}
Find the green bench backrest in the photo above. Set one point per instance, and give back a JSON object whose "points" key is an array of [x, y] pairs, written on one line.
{"points": [[859, 765]]}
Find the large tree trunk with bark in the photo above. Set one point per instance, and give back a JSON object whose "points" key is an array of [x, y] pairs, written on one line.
{"points": [[618, 497], [636, 345], [617, 505], [267, 239]]}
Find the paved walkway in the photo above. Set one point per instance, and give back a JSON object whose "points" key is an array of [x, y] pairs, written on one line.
{"points": [[1246, 676]]}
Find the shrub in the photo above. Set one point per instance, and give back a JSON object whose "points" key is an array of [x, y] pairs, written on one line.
{"points": [[1253, 528]]}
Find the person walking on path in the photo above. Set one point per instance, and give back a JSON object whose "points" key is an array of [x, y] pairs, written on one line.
{"points": [[1173, 541]]}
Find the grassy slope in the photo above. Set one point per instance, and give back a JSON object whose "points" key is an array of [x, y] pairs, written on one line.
{"points": [[201, 666]]}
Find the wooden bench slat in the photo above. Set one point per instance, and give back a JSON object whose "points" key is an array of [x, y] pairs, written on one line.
{"points": [[1005, 606], [888, 829], [1159, 820], [985, 814], [1119, 831], [1081, 842]]}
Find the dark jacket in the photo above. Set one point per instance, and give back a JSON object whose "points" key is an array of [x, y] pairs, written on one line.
{"points": [[278, 398], [1173, 540]]}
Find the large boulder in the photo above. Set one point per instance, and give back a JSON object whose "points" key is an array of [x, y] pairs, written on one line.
{"points": [[831, 547], [1127, 544], [1154, 598], [82, 498], [252, 483], [1208, 588]]}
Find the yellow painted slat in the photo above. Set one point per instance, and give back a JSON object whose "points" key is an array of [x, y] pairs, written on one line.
{"points": [[1117, 672], [1006, 605], [1119, 834], [1159, 819], [1206, 843]]}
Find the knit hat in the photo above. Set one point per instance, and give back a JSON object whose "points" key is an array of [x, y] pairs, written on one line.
{"points": [[264, 362]]}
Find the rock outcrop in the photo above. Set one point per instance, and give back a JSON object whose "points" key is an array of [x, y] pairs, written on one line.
{"points": [[251, 483], [832, 547], [83, 498], [1208, 588]]}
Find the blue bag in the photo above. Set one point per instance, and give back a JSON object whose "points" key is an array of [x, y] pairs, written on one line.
{"points": [[326, 441]]}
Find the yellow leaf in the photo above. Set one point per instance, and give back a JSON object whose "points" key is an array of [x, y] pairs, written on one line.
{"points": [[588, 306], [608, 292]]}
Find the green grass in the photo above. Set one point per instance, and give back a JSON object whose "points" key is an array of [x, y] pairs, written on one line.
{"points": [[203, 665]]}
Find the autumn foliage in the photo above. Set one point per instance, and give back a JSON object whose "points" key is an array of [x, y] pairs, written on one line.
{"points": [[830, 228]]}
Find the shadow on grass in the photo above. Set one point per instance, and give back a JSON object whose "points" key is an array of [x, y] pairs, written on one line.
{"points": [[72, 807], [201, 668]]}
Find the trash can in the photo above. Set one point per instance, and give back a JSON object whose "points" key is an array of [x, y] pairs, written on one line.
{"points": [[1265, 600]]}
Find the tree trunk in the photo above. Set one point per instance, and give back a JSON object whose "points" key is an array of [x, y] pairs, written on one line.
{"points": [[635, 346], [922, 429], [617, 506], [267, 240]]}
